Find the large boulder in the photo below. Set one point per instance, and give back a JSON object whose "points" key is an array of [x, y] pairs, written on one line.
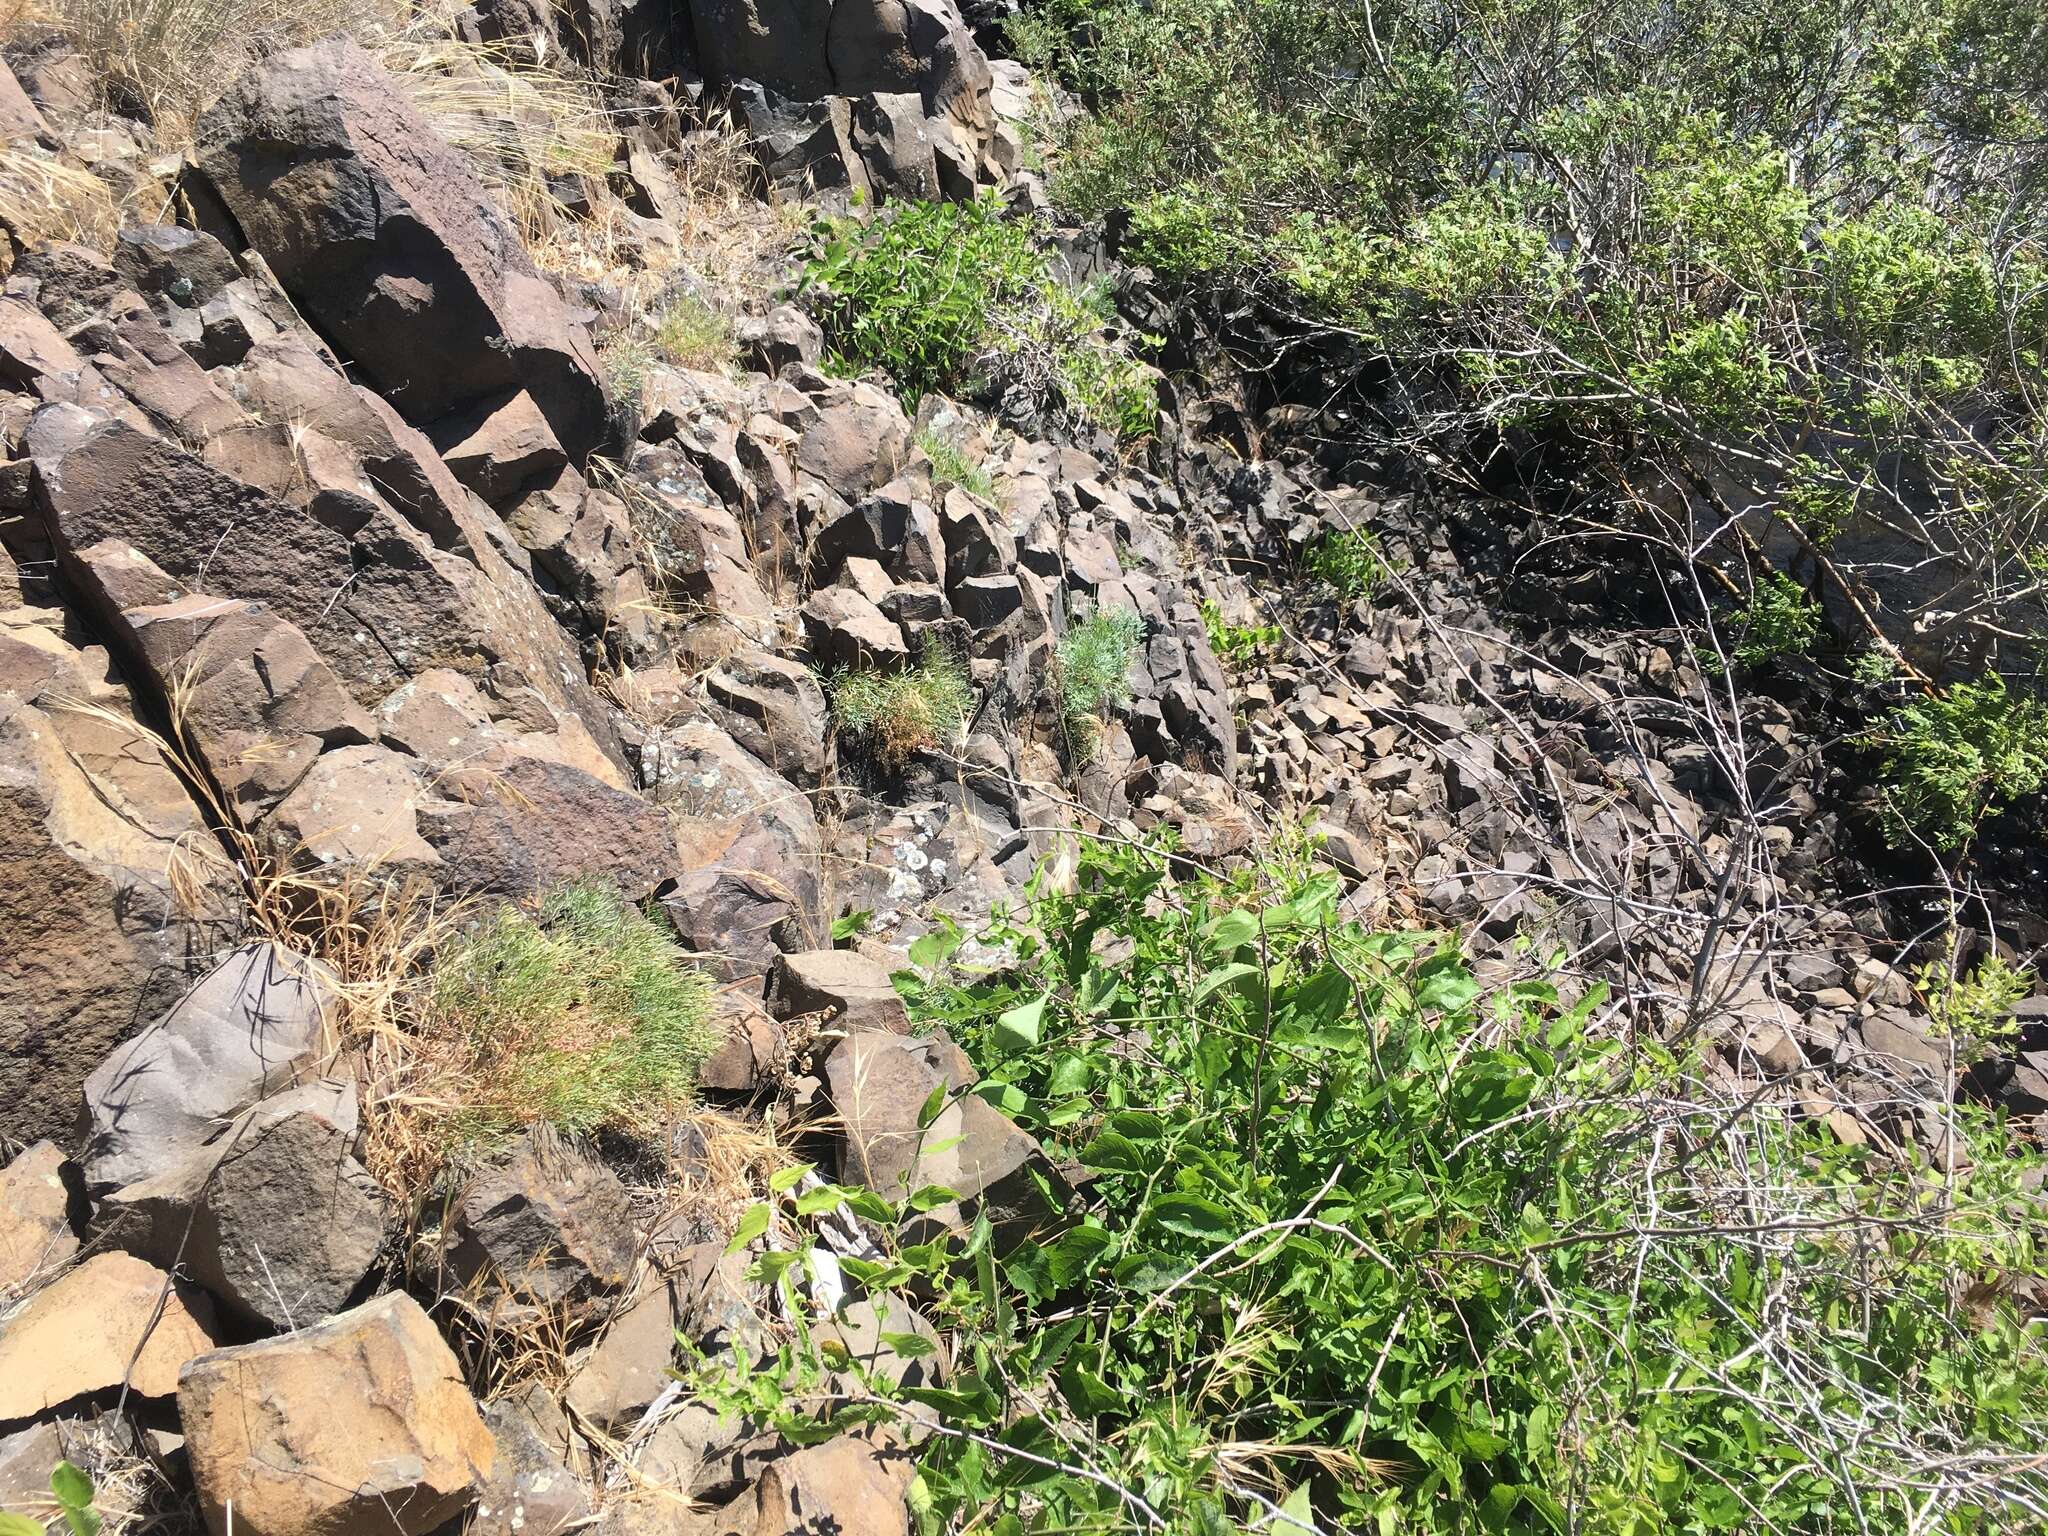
{"points": [[359, 1424], [372, 594], [384, 236], [99, 843], [113, 1319], [253, 1025]]}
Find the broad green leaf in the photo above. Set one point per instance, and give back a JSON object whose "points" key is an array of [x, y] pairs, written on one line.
{"points": [[1223, 976], [934, 1105], [1019, 1028], [19, 1525], [1192, 1216], [815, 1202], [911, 1346], [785, 1179], [1233, 930], [751, 1226]]}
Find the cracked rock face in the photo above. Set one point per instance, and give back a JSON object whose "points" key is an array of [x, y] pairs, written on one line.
{"points": [[384, 236]]}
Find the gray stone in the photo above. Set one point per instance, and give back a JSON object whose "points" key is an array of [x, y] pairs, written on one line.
{"points": [[252, 1026]]}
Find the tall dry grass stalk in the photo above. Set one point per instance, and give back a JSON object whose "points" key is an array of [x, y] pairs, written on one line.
{"points": [[42, 198], [174, 58]]}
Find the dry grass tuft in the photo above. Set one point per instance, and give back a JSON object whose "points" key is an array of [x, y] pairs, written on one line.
{"points": [[521, 122], [42, 198], [173, 58]]}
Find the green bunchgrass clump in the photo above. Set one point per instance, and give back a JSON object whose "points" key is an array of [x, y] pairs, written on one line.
{"points": [[898, 714], [691, 333], [1951, 759], [582, 1015], [1091, 671], [952, 465], [1350, 561]]}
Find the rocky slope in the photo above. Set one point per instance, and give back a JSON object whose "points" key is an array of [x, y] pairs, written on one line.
{"points": [[328, 554]]}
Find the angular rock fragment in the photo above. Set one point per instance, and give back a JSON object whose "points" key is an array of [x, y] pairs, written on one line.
{"points": [[361, 1423], [112, 1319]]}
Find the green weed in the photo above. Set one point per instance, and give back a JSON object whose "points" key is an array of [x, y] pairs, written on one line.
{"points": [[1951, 759], [898, 714], [1238, 645], [1779, 620], [1350, 561]]}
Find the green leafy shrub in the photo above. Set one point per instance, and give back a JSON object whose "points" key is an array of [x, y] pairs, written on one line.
{"points": [[898, 714], [914, 292], [955, 296], [583, 1015], [1369, 1246], [1780, 619], [1952, 758], [1975, 1010], [1238, 645], [1091, 670], [1350, 561], [952, 465]]}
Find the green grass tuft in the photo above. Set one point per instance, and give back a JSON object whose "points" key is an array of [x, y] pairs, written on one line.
{"points": [[583, 1015], [952, 465], [897, 714]]}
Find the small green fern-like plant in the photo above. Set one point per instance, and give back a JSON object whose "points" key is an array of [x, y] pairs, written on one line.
{"points": [[1092, 672], [1350, 561], [1952, 758], [1780, 619], [898, 714]]}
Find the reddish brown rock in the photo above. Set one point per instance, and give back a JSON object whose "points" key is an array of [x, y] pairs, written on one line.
{"points": [[360, 1424], [112, 1319]]}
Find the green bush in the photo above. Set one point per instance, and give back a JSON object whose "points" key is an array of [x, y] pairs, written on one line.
{"points": [[1091, 670], [898, 714], [913, 293], [583, 1015], [1783, 251], [957, 297], [1349, 561], [1952, 758], [1366, 1244]]}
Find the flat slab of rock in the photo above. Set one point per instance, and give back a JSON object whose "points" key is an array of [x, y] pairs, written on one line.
{"points": [[847, 1486], [76, 1336], [253, 1025], [361, 1424], [854, 990]]}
